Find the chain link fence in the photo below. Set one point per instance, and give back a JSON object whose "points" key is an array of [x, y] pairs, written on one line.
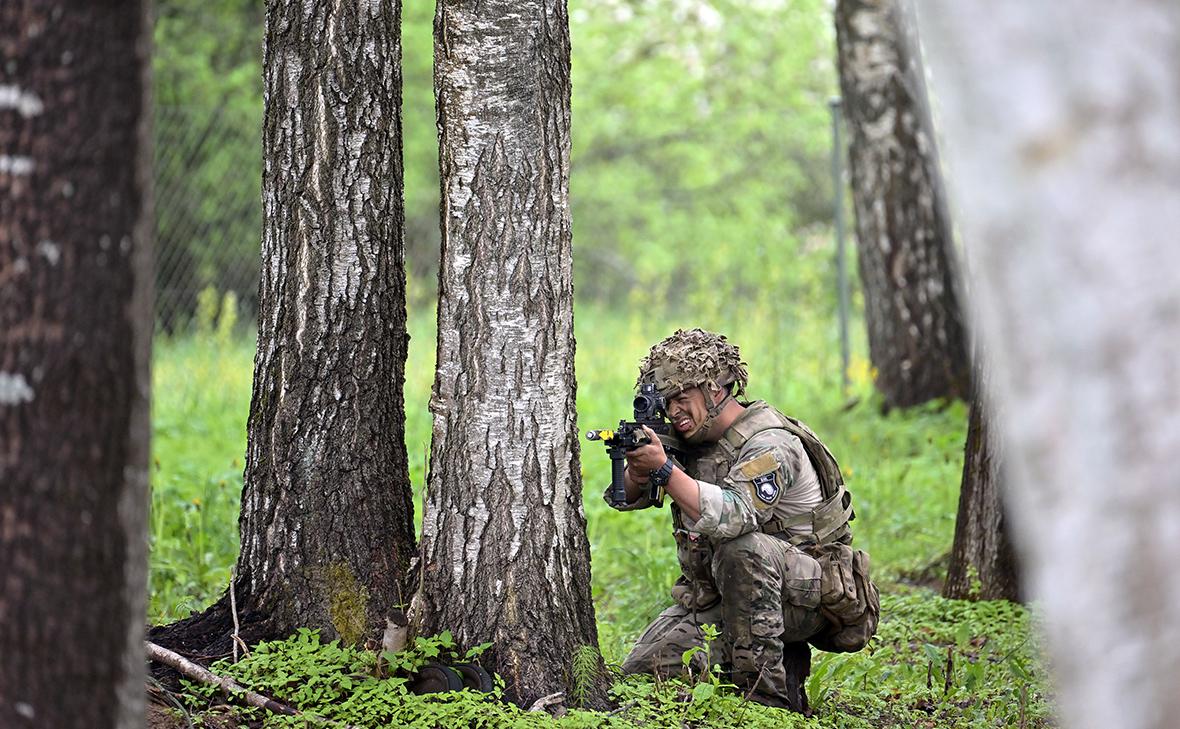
{"points": [[208, 176]]}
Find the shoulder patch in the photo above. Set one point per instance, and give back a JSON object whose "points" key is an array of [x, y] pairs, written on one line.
{"points": [[760, 466], [766, 487]]}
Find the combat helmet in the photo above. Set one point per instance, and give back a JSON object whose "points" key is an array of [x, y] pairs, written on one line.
{"points": [[695, 358]]}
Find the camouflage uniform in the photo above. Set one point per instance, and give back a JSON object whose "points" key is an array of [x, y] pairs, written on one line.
{"points": [[758, 588]]}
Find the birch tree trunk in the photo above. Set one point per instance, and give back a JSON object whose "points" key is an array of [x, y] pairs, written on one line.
{"points": [[905, 248], [505, 555], [983, 547], [327, 513], [75, 338], [1061, 122]]}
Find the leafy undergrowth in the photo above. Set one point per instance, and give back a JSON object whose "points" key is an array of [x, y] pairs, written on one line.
{"points": [[935, 663], [332, 685]]}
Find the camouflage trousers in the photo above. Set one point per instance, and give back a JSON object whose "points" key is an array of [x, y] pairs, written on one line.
{"points": [[770, 594]]}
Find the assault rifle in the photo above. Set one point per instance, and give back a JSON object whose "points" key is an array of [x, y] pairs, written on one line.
{"points": [[649, 409]]}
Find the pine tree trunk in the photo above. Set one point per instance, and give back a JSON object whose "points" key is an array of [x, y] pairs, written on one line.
{"points": [[75, 338], [505, 555], [983, 549], [904, 242], [1061, 126]]}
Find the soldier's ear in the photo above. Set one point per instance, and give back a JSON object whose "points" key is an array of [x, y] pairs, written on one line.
{"points": [[711, 390]]}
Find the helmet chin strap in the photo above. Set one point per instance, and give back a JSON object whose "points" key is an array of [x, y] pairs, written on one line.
{"points": [[701, 432]]}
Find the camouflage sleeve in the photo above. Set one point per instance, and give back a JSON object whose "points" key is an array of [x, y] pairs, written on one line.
{"points": [[765, 469]]}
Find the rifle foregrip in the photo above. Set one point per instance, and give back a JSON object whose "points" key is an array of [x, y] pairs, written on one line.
{"points": [[618, 488]]}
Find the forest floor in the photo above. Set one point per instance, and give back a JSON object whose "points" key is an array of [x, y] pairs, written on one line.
{"points": [[935, 662]]}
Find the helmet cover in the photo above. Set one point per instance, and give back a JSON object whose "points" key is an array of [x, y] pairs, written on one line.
{"points": [[692, 358]]}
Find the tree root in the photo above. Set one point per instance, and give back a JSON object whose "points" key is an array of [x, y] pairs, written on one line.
{"points": [[208, 635]]}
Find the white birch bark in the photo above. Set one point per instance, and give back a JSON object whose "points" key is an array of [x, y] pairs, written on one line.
{"points": [[505, 556], [904, 243], [1063, 131]]}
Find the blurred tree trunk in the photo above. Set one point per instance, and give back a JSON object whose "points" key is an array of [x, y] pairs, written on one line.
{"points": [[1061, 122], [75, 339], [904, 242], [505, 555], [327, 514], [983, 548]]}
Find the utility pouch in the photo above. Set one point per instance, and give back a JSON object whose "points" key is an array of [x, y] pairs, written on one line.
{"points": [[848, 598]]}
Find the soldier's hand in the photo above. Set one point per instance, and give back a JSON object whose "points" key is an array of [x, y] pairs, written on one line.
{"points": [[640, 479], [648, 457]]}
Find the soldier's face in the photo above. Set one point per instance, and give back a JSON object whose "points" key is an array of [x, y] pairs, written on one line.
{"points": [[688, 411]]}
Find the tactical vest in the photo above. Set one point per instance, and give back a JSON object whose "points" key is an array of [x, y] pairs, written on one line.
{"points": [[828, 522]]}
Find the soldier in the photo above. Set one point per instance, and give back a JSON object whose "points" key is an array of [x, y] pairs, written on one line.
{"points": [[746, 495]]}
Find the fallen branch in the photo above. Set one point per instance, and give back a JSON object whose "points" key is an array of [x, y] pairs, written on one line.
{"points": [[230, 686], [200, 672], [204, 675]]}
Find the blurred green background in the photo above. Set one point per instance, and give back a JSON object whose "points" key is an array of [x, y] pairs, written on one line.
{"points": [[699, 178]]}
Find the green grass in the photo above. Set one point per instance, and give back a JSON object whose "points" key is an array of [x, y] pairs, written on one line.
{"points": [[904, 470], [200, 399]]}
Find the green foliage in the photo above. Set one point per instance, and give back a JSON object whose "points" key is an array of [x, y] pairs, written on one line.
{"points": [[710, 634], [696, 125], [702, 127], [334, 683], [328, 681], [903, 468], [938, 662], [429, 648], [206, 51], [587, 664], [676, 703]]}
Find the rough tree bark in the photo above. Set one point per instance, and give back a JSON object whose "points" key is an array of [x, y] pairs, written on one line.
{"points": [[327, 513], [916, 336], [75, 337], [505, 555], [1061, 124], [983, 547]]}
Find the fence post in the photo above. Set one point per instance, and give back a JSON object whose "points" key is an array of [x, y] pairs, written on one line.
{"points": [[841, 258]]}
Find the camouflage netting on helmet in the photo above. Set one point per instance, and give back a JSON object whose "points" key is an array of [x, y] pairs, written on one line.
{"points": [[692, 357]]}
